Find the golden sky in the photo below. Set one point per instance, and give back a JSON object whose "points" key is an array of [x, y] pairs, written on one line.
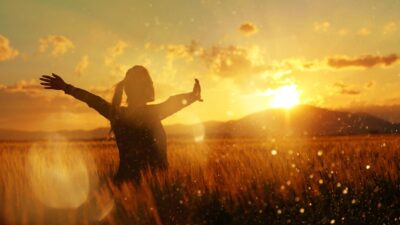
{"points": [[336, 54]]}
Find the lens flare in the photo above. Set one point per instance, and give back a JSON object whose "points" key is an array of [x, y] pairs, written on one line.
{"points": [[59, 176]]}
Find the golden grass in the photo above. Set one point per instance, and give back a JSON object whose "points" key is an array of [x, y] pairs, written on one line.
{"points": [[317, 180]]}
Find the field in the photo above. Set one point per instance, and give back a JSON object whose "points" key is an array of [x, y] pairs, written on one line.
{"points": [[337, 180]]}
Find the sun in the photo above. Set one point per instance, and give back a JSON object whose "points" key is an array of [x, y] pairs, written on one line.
{"points": [[285, 97]]}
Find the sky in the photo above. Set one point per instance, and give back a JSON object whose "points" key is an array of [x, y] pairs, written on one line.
{"points": [[334, 54]]}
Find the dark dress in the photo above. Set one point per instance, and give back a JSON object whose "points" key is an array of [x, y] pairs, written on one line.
{"points": [[139, 134]]}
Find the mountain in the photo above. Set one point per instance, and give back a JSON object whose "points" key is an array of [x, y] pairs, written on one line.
{"points": [[306, 121], [299, 121]]}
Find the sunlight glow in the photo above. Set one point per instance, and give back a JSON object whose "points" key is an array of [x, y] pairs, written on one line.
{"points": [[285, 97], [59, 176]]}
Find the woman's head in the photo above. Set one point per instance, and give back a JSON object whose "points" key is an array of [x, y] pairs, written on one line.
{"points": [[138, 85]]}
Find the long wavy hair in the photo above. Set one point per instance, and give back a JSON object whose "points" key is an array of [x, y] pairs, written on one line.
{"points": [[138, 87]]}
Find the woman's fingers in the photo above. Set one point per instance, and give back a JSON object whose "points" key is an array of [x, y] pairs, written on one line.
{"points": [[45, 79], [50, 82], [47, 76]]}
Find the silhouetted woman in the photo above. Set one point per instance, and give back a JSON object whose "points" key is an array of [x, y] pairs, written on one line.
{"points": [[139, 134]]}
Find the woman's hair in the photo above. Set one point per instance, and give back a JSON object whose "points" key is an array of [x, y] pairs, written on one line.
{"points": [[138, 87]]}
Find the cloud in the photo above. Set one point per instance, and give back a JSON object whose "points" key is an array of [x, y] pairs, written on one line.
{"points": [[248, 28], [59, 44], [322, 26], [336, 62], [225, 61], [6, 51], [367, 61], [29, 106], [31, 87], [363, 31], [82, 65], [114, 51], [187, 52], [234, 60], [389, 28], [345, 89]]}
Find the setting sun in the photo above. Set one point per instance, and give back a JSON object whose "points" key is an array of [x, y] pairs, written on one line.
{"points": [[285, 97]]}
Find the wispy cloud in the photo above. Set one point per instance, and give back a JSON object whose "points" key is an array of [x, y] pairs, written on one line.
{"points": [[115, 51], [6, 51], [27, 86], [345, 89], [58, 44], [367, 61], [82, 65], [322, 26], [389, 28], [234, 60]]}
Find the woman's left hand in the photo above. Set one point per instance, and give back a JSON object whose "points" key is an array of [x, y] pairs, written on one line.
{"points": [[197, 90]]}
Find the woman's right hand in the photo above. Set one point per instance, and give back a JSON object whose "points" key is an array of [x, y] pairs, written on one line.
{"points": [[54, 82]]}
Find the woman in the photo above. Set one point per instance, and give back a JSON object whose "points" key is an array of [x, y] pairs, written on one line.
{"points": [[138, 131]]}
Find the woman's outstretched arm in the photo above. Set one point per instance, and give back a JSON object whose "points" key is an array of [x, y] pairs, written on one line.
{"points": [[177, 102], [55, 82]]}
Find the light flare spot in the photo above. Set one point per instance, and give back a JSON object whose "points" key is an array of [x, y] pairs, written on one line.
{"points": [[58, 176]]}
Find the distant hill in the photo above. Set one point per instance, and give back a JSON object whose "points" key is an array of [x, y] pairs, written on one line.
{"points": [[299, 121], [306, 121]]}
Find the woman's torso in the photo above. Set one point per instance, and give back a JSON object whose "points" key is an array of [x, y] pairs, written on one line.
{"points": [[141, 141]]}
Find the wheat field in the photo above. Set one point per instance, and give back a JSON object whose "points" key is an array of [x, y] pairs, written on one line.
{"points": [[335, 180]]}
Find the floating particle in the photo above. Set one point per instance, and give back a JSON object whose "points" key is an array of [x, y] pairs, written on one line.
{"points": [[338, 185], [320, 181], [353, 201], [345, 190], [320, 153], [367, 167], [274, 152], [332, 222], [279, 211], [301, 210]]}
